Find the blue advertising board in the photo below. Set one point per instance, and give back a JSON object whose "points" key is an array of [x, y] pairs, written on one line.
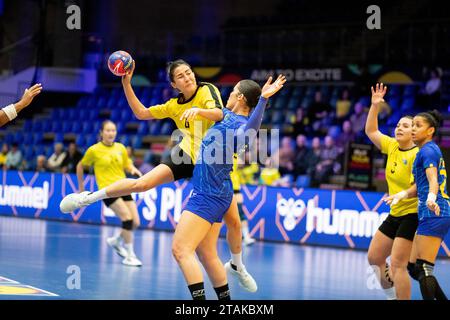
{"points": [[340, 218]]}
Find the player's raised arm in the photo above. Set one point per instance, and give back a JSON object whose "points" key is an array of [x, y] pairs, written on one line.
{"points": [[267, 91], [372, 118], [10, 112], [139, 110]]}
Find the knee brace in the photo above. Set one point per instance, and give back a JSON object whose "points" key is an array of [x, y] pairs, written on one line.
{"points": [[127, 225], [412, 270], [424, 269]]}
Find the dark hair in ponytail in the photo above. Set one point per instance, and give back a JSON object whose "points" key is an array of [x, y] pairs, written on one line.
{"points": [[433, 118]]}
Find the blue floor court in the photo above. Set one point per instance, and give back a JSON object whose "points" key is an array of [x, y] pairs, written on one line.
{"points": [[36, 254]]}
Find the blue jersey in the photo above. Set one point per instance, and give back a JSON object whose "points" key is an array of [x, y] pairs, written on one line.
{"points": [[430, 156], [215, 162]]}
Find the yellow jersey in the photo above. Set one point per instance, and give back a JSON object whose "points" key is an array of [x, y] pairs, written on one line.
{"points": [[269, 176], [109, 162], [248, 172], [234, 175], [398, 174], [207, 96], [2, 158]]}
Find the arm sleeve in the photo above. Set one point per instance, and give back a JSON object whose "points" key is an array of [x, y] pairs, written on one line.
{"points": [[211, 96], [88, 158], [161, 111], [386, 144], [430, 158], [254, 123]]}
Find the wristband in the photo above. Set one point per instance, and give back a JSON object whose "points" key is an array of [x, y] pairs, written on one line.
{"points": [[431, 197], [10, 112]]}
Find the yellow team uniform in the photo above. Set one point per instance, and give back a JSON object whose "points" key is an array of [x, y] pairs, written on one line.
{"points": [[109, 162], [269, 176], [234, 175], [207, 96], [2, 158], [247, 173], [398, 174]]}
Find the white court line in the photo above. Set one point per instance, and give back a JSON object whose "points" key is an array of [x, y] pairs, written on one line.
{"points": [[9, 281]]}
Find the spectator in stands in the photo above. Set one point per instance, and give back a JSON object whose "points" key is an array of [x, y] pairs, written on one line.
{"points": [[313, 157], [56, 159], [71, 160], [301, 156], [301, 123], [41, 164], [14, 157], [358, 121], [347, 135], [318, 114], [328, 164], [285, 156], [3, 154], [431, 94], [343, 105]]}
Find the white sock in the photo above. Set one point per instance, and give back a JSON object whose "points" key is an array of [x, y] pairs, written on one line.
{"points": [[236, 259], [390, 293], [118, 237], [97, 195], [245, 232], [129, 248]]}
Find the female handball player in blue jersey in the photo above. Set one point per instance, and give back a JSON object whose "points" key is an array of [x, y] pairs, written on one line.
{"points": [[201, 220], [430, 187]]}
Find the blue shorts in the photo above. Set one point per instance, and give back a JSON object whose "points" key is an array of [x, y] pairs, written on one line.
{"points": [[209, 207], [434, 226]]}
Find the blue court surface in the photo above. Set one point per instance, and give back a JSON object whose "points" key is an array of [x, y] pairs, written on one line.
{"points": [[39, 258]]}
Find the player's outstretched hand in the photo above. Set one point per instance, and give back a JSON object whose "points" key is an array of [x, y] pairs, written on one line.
{"points": [[189, 114], [126, 79], [395, 198], [270, 88], [29, 94], [378, 93]]}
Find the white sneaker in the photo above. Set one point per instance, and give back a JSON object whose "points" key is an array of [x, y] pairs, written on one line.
{"points": [[115, 244], [73, 201], [132, 261], [246, 281], [248, 241]]}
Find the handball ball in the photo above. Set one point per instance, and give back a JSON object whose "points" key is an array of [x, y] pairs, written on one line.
{"points": [[120, 62]]}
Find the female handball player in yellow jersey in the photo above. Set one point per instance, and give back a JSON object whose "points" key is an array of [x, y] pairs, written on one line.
{"points": [[110, 161], [187, 111], [395, 236]]}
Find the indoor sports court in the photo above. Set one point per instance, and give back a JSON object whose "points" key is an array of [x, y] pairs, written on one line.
{"points": [[36, 255], [271, 150]]}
